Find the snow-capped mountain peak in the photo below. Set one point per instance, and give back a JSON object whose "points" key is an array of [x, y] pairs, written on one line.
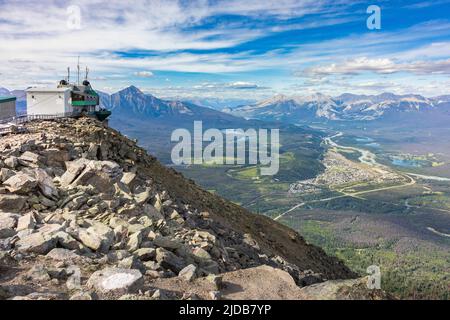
{"points": [[344, 107]]}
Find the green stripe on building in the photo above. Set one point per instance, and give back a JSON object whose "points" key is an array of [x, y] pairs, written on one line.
{"points": [[93, 93], [7, 99], [83, 103]]}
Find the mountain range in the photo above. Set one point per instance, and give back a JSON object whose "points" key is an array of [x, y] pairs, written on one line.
{"points": [[346, 107], [133, 105], [132, 102]]}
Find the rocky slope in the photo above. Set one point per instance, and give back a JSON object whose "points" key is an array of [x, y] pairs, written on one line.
{"points": [[87, 214]]}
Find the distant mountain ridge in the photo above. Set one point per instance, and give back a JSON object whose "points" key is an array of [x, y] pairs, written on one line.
{"points": [[320, 107], [131, 102]]}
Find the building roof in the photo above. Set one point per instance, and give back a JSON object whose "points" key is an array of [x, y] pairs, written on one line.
{"points": [[48, 89], [7, 99]]}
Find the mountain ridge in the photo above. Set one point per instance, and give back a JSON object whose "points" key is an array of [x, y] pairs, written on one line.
{"points": [[131, 101], [346, 106]]}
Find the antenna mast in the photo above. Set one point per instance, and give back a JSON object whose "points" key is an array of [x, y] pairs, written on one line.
{"points": [[87, 72], [68, 74], [78, 68]]}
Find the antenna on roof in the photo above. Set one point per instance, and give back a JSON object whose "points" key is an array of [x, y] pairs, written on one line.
{"points": [[78, 68], [68, 74], [87, 72]]}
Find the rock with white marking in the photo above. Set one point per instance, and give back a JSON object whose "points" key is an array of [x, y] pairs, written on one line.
{"points": [[116, 281]]}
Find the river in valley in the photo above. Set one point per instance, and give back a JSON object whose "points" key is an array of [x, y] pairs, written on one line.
{"points": [[369, 158]]}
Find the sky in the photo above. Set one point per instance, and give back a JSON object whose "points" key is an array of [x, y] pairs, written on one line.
{"points": [[229, 49]]}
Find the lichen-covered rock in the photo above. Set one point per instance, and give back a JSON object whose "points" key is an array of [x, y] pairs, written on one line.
{"points": [[145, 254], [21, 183], [128, 178], [40, 243], [8, 222], [74, 169], [12, 203], [169, 260], [45, 183], [82, 296], [188, 273], [100, 174], [27, 221], [11, 162], [95, 239], [29, 159], [166, 243], [5, 174], [60, 254], [354, 289]]}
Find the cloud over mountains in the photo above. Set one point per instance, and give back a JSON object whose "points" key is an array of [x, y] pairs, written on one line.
{"points": [[233, 45]]}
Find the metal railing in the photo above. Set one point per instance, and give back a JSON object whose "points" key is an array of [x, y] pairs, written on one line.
{"points": [[10, 123], [20, 119]]}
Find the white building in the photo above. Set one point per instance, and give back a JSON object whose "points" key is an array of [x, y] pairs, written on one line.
{"points": [[7, 108], [49, 101], [66, 100]]}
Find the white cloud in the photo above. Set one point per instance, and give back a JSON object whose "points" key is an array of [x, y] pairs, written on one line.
{"points": [[379, 66], [144, 74], [237, 85], [434, 50], [39, 46], [229, 90], [41, 38], [425, 4], [243, 85]]}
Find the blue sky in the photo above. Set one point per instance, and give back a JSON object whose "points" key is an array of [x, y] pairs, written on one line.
{"points": [[230, 49]]}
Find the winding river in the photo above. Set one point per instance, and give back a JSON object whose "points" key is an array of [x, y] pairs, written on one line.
{"points": [[369, 158], [366, 157]]}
